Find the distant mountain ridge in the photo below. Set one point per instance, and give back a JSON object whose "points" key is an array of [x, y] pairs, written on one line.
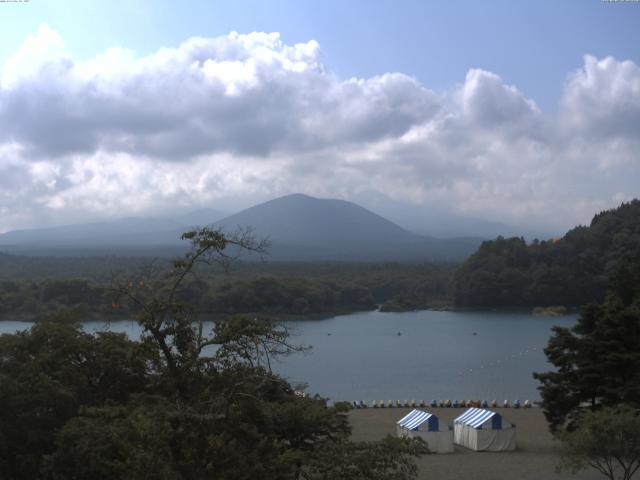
{"points": [[300, 228], [130, 230], [130, 233]]}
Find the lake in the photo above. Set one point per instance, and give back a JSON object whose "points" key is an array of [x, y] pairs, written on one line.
{"points": [[410, 355]]}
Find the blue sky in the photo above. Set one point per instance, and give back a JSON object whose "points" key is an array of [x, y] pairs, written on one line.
{"points": [[526, 113], [531, 44]]}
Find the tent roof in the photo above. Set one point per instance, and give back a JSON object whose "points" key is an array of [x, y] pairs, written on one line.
{"points": [[414, 419], [474, 417]]}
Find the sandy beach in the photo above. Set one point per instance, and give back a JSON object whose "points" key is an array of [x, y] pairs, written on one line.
{"points": [[535, 458]]}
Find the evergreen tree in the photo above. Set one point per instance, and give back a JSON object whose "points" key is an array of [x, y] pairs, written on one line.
{"points": [[598, 360]]}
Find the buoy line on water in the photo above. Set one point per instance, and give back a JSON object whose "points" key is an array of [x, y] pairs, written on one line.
{"points": [[358, 404], [501, 361]]}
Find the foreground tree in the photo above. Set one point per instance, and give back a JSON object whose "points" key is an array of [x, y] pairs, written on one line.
{"points": [[192, 405], [47, 375], [384, 460], [598, 360], [607, 440]]}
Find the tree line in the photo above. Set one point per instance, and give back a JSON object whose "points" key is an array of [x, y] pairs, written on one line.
{"points": [[569, 271], [276, 290]]}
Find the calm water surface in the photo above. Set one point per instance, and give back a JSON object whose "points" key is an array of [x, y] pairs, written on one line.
{"points": [[436, 356]]}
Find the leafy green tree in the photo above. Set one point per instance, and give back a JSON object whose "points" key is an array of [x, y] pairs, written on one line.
{"points": [[47, 374], [114, 442], [389, 459], [607, 440]]}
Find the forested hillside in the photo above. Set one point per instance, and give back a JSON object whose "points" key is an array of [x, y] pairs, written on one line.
{"points": [[81, 287], [262, 295], [570, 271]]}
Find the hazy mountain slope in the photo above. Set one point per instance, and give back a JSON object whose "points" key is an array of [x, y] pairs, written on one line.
{"points": [[124, 232], [201, 217], [302, 220], [300, 228], [306, 228], [444, 221], [458, 226]]}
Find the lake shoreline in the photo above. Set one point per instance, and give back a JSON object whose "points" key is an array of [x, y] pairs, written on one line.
{"points": [[287, 317], [208, 317]]}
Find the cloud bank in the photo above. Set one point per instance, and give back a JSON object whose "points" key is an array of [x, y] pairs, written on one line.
{"points": [[250, 117]]}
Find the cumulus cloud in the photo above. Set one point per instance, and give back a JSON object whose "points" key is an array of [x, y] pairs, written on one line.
{"points": [[488, 103], [603, 99], [246, 94], [249, 116]]}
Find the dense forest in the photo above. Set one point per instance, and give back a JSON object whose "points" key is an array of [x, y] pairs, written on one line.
{"points": [[266, 295], [82, 287], [570, 271]]}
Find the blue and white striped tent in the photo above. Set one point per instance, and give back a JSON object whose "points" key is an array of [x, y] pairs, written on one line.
{"points": [[476, 418], [426, 425], [415, 418], [486, 430]]}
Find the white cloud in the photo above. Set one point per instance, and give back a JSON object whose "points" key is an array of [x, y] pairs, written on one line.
{"points": [[39, 55], [488, 103], [603, 99], [248, 116]]}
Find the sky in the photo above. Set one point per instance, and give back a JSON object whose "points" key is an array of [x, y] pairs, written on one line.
{"points": [[525, 113]]}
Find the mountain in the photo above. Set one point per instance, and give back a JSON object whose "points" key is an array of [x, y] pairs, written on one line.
{"points": [[301, 227], [306, 221], [451, 225], [569, 271], [131, 235], [197, 218], [443, 221]]}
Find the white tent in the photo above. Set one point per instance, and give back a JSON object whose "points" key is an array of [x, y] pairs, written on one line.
{"points": [[425, 425], [484, 430]]}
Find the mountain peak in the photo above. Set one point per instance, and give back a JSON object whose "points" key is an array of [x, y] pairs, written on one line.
{"points": [[299, 219], [297, 196], [300, 227]]}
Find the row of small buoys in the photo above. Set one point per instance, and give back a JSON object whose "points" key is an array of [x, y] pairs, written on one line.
{"points": [[499, 362], [440, 404]]}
